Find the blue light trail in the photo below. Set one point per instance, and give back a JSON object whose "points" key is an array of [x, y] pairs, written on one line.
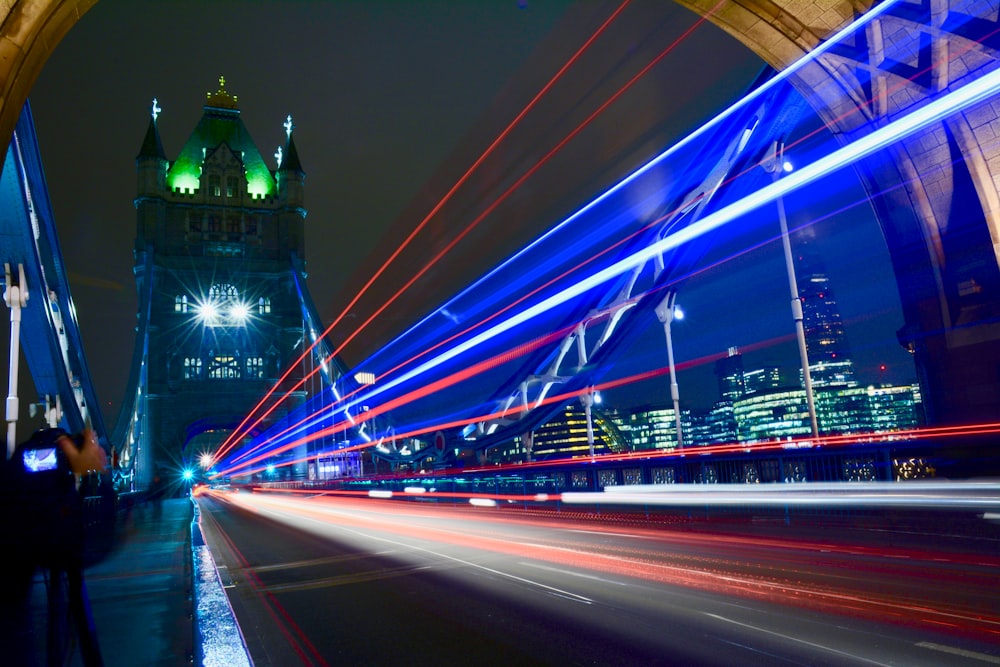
{"points": [[972, 93]]}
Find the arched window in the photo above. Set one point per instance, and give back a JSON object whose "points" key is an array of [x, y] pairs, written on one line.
{"points": [[223, 293], [224, 367], [181, 303], [192, 368], [263, 305], [255, 368]]}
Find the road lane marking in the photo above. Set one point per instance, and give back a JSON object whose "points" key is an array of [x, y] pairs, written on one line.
{"points": [[574, 574], [975, 655], [343, 580], [315, 562], [499, 573], [796, 640]]}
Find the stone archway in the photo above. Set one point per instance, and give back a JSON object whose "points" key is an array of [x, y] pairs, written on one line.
{"points": [[30, 30], [938, 204]]}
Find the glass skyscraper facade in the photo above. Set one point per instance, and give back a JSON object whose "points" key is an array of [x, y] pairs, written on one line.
{"points": [[826, 341]]}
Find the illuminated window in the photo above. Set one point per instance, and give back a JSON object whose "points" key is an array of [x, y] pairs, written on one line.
{"points": [[223, 249], [223, 292], [264, 305], [192, 368], [181, 304], [232, 186], [255, 368], [224, 368], [215, 185]]}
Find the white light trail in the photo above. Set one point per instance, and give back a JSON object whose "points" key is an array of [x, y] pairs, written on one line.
{"points": [[972, 496]]}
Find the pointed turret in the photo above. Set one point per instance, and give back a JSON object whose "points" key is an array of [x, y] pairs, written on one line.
{"points": [[290, 176], [151, 162], [290, 163]]}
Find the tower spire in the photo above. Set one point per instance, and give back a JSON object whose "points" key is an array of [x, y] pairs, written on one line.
{"points": [[152, 146]]}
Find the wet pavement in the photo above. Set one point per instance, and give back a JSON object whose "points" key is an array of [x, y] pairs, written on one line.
{"points": [[154, 599]]}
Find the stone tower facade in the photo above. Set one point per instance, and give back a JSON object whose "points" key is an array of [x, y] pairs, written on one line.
{"points": [[220, 236]]}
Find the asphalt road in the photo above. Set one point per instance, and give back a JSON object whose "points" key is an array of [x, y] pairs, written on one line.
{"points": [[331, 581]]}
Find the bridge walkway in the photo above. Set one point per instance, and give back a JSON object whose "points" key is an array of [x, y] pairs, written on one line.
{"points": [[155, 598]]}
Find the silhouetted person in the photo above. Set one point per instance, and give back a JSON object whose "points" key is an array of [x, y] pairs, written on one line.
{"points": [[43, 528]]}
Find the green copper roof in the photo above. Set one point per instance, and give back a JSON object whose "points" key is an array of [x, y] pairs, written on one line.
{"points": [[221, 124]]}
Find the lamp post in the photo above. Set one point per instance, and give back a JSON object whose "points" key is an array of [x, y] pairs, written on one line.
{"points": [[777, 165], [667, 312], [16, 296], [588, 403]]}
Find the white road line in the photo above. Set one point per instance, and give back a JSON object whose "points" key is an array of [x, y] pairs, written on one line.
{"points": [[499, 573], [571, 573], [975, 655], [796, 640]]}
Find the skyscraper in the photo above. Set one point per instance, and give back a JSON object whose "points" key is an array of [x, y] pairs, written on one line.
{"points": [[729, 374], [826, 342]]}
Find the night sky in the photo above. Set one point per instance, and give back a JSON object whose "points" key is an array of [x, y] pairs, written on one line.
{"points": [[391, 102]]}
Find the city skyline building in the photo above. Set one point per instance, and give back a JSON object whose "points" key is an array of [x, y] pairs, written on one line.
{"points": [[826, 339], [730, 376], [566, 435], [769, 378]]}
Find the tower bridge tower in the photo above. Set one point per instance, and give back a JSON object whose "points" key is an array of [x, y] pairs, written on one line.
{"points": [[219, 267]]}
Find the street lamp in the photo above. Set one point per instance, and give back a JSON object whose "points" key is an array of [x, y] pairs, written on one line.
{"points": [[667, 312], [588, 399], [777, 165]]}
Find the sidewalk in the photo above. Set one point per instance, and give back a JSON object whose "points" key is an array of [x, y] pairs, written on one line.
{"points": [[155, 598]]}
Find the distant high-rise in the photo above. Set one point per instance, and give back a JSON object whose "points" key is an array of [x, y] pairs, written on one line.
{"points": [[829, 354], [729, 373], [566, 435], [767, 379]]}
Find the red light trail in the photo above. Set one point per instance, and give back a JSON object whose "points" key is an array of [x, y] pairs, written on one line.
{"points": [[235, 436], [475, 222], [238, 432]]}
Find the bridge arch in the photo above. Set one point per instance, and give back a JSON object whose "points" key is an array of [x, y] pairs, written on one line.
{"points": [[942, 188]]}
